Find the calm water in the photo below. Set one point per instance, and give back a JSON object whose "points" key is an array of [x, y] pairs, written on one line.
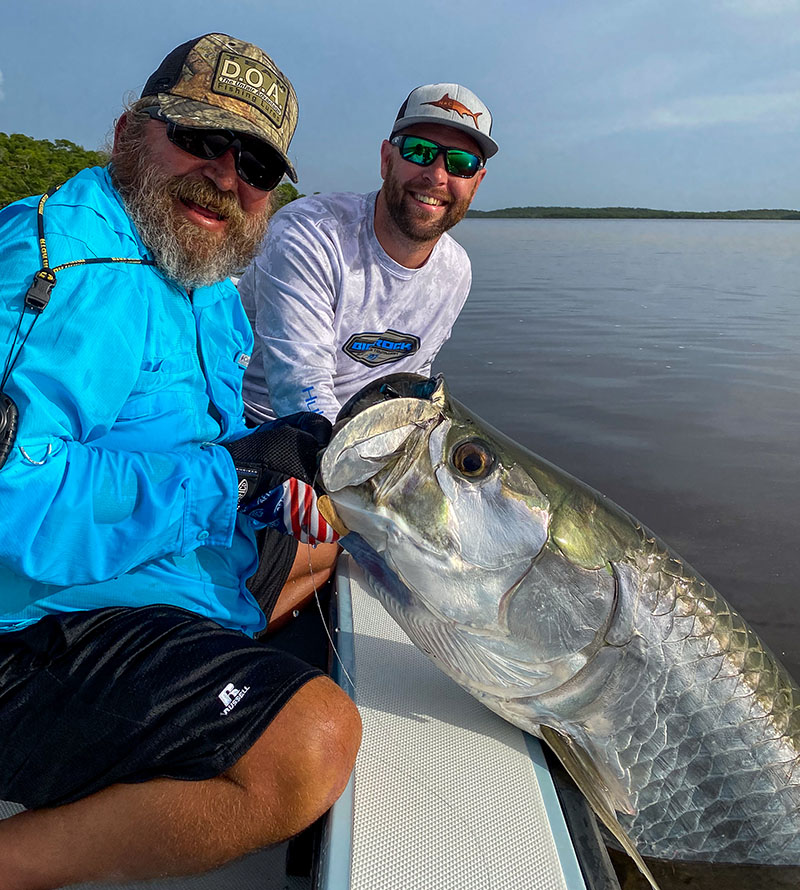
{"points": [[656, 360]]}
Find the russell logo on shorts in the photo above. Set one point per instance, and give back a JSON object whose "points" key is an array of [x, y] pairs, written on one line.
{"points": [[230, 697]]}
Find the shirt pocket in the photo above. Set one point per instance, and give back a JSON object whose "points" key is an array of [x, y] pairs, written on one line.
{"points": [[226, 387], [168, 386]]}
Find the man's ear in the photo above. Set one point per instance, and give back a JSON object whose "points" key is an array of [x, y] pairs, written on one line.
{"points": [[119, 126], [479, 177], [386, 149]]}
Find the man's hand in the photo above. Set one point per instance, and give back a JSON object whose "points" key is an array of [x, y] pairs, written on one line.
{"points": [[276, 465], [293, 509]]}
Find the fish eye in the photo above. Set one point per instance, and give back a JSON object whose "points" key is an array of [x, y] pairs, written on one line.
{"points": [[473, 459]]}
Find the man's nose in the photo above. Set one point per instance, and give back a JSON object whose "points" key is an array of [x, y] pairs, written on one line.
{"points": [[222, 171], [436, 173]]}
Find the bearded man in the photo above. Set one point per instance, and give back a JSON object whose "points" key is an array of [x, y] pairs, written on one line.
{"points": [[144, 729], [350, 287]]}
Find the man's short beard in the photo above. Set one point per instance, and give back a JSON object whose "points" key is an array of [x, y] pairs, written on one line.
{"points": [[412, 223], [185, 252]]}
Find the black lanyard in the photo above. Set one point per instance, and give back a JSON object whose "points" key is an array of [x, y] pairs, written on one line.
{"points": [[36, 299]]}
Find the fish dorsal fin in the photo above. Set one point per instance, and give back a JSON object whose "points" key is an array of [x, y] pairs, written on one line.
{"points": [[603, 793]]}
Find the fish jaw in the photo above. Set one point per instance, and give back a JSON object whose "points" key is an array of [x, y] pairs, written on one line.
{"points": [[477, 659], [372, 438], [468, 548], [390, 474]]}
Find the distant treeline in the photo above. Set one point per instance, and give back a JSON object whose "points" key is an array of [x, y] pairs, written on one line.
{"points": [[32, 166], [628, 213]]}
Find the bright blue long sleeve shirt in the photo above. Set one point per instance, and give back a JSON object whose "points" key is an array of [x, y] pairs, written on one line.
{"points": [[116, 491]]}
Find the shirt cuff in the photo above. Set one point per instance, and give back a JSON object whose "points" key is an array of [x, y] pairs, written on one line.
{"points": [[210, 516]]}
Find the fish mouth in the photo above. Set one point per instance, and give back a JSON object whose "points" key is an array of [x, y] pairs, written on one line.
{"points": [[374, 425], [393, 386]]}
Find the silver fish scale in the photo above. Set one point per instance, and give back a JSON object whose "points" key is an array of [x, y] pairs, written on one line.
{"points": [[714, 765]]}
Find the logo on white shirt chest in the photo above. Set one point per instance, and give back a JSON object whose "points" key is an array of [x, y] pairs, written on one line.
{"points": [[371, 348]]}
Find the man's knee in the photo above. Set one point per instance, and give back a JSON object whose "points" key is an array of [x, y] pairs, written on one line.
{"points": [[301, 763]]}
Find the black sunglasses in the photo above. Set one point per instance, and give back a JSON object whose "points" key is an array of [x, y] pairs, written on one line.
{"points": [[424, 152], [257, 163]]}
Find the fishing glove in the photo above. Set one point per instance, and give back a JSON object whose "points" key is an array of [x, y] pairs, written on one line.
{"points": [[276, 465]]}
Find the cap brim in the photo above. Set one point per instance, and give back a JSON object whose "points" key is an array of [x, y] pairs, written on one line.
{"points": [[191, 113], [487, 145]]}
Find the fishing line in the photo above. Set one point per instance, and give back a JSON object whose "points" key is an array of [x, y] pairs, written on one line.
{"points": [[309, 551], [404, 765]]}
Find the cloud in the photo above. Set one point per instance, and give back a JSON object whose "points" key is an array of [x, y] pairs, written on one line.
{"points": [[770, 105], [649, 79], [775, 105]]}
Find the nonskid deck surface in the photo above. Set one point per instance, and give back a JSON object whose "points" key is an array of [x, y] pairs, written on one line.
{"points": [[447, 794]]}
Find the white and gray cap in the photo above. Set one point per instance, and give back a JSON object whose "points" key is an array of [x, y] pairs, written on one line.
{"points": [[452, 105]]}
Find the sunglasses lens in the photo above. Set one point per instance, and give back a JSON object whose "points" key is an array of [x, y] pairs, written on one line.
{"points": [[418, 151], [207, 144], [461, 163], [256, 163], [424, 152]]}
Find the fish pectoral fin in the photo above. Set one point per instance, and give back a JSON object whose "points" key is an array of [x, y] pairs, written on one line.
{"points": [[603, 791], [588, 776]]}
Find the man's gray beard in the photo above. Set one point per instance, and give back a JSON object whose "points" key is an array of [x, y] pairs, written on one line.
{"points": [[186, 253], [414, 227]]}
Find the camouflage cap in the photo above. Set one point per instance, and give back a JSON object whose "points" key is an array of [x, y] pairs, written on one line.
{"points": [[221, 82]]}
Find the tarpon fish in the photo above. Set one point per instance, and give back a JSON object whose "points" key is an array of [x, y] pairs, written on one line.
{"points": [[567, 617], [460, 109]]}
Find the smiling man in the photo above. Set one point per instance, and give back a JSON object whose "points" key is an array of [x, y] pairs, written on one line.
{"points": [[144, 729], [351, 287]]}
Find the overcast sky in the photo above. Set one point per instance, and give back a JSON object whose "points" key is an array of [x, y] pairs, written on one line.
{"points": [[673, 104]]}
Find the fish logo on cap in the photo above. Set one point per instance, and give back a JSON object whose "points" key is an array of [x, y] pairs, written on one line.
{"points": [[460, 109]]}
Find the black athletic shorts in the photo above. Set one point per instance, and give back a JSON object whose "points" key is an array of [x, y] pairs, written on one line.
{"points": [[276, 554], [89, 699]]}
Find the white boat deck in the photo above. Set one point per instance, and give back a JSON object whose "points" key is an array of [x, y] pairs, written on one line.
{"points": [[445, 794]]}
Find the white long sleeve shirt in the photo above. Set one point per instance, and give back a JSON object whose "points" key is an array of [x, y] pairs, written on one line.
{"points": [[331, 310]]}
